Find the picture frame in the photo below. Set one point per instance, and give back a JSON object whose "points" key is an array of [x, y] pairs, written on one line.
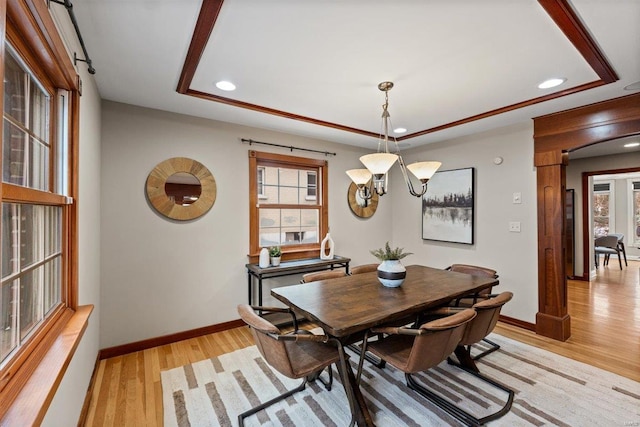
{"points": [[448, 207]]}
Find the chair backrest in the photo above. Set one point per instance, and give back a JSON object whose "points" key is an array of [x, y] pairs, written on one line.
{"points": [[443, 337], [273, 351], [619, 236], [475, 270], [322, 275], [364, 268], [488, 312], [608, 241]]}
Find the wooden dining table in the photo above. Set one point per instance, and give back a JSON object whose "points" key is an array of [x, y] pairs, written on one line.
{"points": [[348, 306]]}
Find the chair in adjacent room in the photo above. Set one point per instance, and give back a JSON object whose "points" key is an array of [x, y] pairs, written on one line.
{"points": [[620, 237], [300, 354], [366, 268], [418, 350], [322, 275], [607, 245]]}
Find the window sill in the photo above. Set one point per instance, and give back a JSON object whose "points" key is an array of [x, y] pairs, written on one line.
{"points": [[32, 401]]}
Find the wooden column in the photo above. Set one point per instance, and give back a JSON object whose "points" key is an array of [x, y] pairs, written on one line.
{"points": [[554, 135], [552, 319]]}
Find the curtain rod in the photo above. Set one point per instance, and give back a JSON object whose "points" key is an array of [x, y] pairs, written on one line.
{"points": [[67, 4], [290, 147]]}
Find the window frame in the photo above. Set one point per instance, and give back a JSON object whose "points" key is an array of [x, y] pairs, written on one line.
{"points": [[612, 204], [289, 252], [29, 28]]}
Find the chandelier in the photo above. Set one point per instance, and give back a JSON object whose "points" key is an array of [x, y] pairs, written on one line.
{"points": [[375, 176]]}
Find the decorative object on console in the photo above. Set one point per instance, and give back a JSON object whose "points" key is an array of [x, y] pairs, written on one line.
{"points": [[375, 176], [264, 258], [362, 208], [327, 241], [447, 207], [181, 188], [275, 253], [391, 272]]}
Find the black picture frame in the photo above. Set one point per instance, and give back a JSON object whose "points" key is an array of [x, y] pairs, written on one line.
{"points": [[448, 207]]}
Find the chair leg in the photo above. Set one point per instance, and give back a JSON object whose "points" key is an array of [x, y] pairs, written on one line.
{"points": [[494, 346], [620, 260], [455, 410], [259, 408]]}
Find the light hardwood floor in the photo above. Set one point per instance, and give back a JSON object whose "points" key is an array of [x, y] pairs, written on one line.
{"points": [[605, 321]]}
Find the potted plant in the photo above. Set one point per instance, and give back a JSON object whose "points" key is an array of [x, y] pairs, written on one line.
{"points": [[391, 272], [275, 253]]}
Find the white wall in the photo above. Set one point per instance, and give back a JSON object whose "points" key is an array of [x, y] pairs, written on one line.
{"points": [[575, 168], [67, 403], [160, 276], [513, 255]]}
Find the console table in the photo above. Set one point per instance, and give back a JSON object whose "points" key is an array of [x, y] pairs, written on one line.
{"points": [[289, 268]]}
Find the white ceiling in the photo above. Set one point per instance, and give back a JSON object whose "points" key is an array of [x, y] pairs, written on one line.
{"points": [[322, 61]]}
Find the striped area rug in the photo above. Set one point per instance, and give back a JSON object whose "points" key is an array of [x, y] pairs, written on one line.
{"points": [[550, 390]]}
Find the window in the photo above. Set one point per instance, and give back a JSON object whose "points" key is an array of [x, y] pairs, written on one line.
{"points": [[312, 185], [288, 200], [260, 178], [603, 216], [37, 213]]}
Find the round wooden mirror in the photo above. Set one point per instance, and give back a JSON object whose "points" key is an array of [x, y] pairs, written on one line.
{"points": [[360, 207], [181, 188]]}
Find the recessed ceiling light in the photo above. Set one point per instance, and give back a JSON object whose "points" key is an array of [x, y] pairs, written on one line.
{"points": [[633, 86], [399, 130], [551, 83], [225, 85], [631, 144]]}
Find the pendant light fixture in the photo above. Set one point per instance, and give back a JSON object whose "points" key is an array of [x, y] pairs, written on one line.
{"points": [[375, 176]]}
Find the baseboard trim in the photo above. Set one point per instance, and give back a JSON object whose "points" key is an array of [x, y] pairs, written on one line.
{"points": [[121, 350], [517, 322]]}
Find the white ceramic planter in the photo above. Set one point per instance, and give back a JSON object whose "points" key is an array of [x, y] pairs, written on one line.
{"points": [[391, 273], [275, 261]]}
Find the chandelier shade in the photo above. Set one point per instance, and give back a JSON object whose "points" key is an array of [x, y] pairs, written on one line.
{"points": [[379, 163], [423, 170], [359, 176]]}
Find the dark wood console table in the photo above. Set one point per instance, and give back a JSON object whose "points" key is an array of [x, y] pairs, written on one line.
{"points": [[289, 268]]}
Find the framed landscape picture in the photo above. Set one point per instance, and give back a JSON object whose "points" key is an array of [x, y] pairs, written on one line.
{"points": [[447, 207]]}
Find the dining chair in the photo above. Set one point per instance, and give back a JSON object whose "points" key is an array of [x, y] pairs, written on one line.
{"points": [[474, 270], [295, 355], [366, 268], [418, 350], [487, 314], [470, 300], [620, 237], [607, 245], [322, 275]]}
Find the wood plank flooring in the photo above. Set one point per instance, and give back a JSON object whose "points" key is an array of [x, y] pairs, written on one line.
{"points": [[605, 321]]}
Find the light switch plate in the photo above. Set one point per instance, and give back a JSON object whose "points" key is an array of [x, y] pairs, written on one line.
{"points": [[517, 198], [514, 226]]}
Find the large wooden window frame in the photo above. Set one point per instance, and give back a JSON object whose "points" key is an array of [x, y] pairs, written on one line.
{"points": [[29, 380], [289, 252]]}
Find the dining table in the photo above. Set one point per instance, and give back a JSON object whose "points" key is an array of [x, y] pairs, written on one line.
{"points": [[346, 307]]}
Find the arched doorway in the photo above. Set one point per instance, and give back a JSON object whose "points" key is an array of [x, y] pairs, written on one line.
{"points": [[554, 135]]}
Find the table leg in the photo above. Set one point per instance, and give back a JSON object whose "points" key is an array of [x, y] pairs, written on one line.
{"points": [[359, 411], [249, 286], [260, 291]]}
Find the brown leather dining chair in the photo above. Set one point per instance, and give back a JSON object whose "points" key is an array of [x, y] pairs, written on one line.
{"points": [[487, 314], [300, 354], [474, 270], [322, 275], [417, 350], [607, 245], [366, 268], [470, 300]]}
